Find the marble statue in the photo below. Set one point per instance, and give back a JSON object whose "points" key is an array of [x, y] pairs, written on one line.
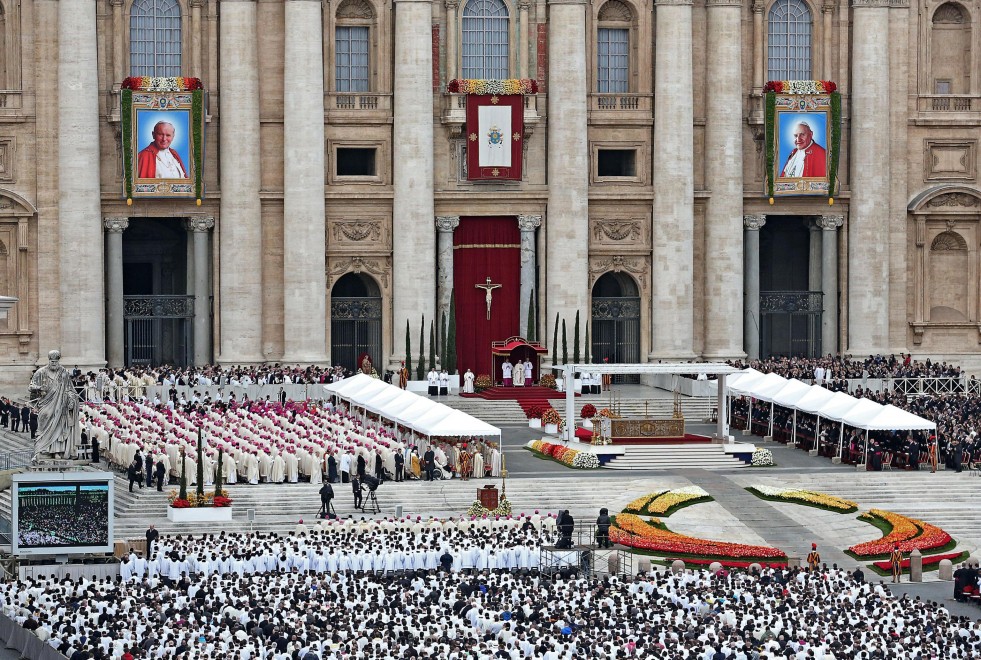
{"points": [[52, 395]]}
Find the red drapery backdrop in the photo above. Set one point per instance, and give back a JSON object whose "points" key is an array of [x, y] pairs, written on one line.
{"points": [[485, 247]]}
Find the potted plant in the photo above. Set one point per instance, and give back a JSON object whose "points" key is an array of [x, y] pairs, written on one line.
{"points": [[547, 380], [199, 506], [535, 417], [587, 413], [482, 383], [551, 421]]}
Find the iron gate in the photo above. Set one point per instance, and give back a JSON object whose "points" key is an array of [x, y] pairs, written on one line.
{"points": [[355, 328], [791, 323], [158, 330], [616, 333]]}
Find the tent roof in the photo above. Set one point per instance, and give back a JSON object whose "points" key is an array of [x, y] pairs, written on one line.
{"points": [[766, 387], [861, 413], [409, 409], [837, 406], [891, 418], [743, 378], [791, 393], [812, 401]]}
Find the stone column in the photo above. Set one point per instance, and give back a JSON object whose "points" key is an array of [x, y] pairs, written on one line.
{"points": [[118, 32], [724, 171], [672, 313], [527, 224], [751, 284], [452, 27], [414, 253], [524, 38], [80, 224], [115, 324], [196, 54], [829, 281], [445, 226], [304, 229], [868, 223], [199, 229], [240, 303], [814, 255], [566, 274], [759, 64]]}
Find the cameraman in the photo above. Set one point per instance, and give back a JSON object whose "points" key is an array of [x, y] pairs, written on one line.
{"points": [[603, 523], [356, 487], [326, 495]]}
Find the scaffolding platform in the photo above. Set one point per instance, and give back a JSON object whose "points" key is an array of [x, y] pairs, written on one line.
{"points": [[585, 557]]}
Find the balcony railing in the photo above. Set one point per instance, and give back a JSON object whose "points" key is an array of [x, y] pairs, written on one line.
{"points": [[618, 103], [358, 101], [948, 103]]}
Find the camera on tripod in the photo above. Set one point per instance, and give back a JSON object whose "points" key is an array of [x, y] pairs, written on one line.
{"points": [[369, 482]]}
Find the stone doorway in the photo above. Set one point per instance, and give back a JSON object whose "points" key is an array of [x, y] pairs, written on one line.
{"points": [[355, 321], [615, 325]]}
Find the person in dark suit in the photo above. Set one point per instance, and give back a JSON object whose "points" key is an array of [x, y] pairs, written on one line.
{"points": [[134, 474], [149, 470], [25, 418], [32, 423], [14, 417], [5, 412], [95, 449], [332, 469], [138, 462], [429, 463], [356, 487], [362, 465], [160, 476], [379, 468], [399, 466], [151, 537], [326, 495]]}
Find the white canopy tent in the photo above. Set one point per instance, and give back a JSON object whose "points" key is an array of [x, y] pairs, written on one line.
{"points": [[787, 397], [891, 418], [422, 415]]}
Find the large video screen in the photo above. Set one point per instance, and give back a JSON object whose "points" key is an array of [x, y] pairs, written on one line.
{"points": [[67, 513]]}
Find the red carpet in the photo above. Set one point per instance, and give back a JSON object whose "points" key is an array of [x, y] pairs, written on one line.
{"points": [[688, 439], [527, 397]]}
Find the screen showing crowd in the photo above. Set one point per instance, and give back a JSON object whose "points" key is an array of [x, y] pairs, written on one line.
{"points": [[62, 515]]}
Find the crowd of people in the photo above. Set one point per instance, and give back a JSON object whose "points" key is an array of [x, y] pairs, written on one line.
{"points": [[480, 591], [86, 524], [269, 442], [831, 369]]}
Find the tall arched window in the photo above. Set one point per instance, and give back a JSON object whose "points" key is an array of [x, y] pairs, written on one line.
{"points": [[789, 41], [950, 45], [485, 39], [155, 38], [613, 48]]}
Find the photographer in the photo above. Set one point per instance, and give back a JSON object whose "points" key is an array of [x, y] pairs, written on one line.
{"points": [[603, 523], [566, 526], [356, 487], [326, 495]]}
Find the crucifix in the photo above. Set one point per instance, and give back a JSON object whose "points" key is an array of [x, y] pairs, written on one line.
{"points": [[489, 288]]}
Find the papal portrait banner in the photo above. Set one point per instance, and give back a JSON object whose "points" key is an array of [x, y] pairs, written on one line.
{"points": [[803, 138], [495, 126], [163, 137]]}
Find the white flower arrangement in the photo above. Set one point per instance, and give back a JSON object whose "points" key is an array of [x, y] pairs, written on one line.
{"points": [[694, 491], [762, 458], [585, 460]]}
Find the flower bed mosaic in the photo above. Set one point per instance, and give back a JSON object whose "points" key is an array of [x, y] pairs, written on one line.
{"points": [[806, 497], [632, 531], [930, 562], [908, 532], [666, 502], [581, 460]]}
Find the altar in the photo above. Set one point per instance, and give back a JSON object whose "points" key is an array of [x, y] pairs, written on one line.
{"points": [[621, 430]]}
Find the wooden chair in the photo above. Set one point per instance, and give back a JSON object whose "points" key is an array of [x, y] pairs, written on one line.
{"points": [[887, 461]]}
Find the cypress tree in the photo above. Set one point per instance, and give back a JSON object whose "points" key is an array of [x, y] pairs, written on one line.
{"points": [[442, 340], [421, 369], [532, 318], [182, 495], [451, 337], [575, 340], [565, 346], [587, 342], [218, 491], [432, 345], [555, 337], [200, 474], [408, 347]]}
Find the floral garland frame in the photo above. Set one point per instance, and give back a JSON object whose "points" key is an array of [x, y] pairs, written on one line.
{"points": [[508, 86], [161, 84], [770, 91]]}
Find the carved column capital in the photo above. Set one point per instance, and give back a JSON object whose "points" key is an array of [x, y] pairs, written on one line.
{"points": [[451, 4], [201, 224], [754, 222], [447, 223], [116, 225], [524, 5], [529, 222], [830, 222]]}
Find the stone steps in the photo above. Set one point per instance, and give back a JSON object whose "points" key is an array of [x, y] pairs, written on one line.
{"points": [[671, 457]]}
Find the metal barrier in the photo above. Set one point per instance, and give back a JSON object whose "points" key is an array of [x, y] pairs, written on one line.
{"points": [[15, 459]]}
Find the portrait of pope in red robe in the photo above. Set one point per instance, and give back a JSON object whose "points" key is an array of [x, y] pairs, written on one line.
{"points": [[807, 158], [160, 159]]}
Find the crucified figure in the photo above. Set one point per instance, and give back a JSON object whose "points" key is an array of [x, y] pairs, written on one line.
{"points": [[489, 288]]}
